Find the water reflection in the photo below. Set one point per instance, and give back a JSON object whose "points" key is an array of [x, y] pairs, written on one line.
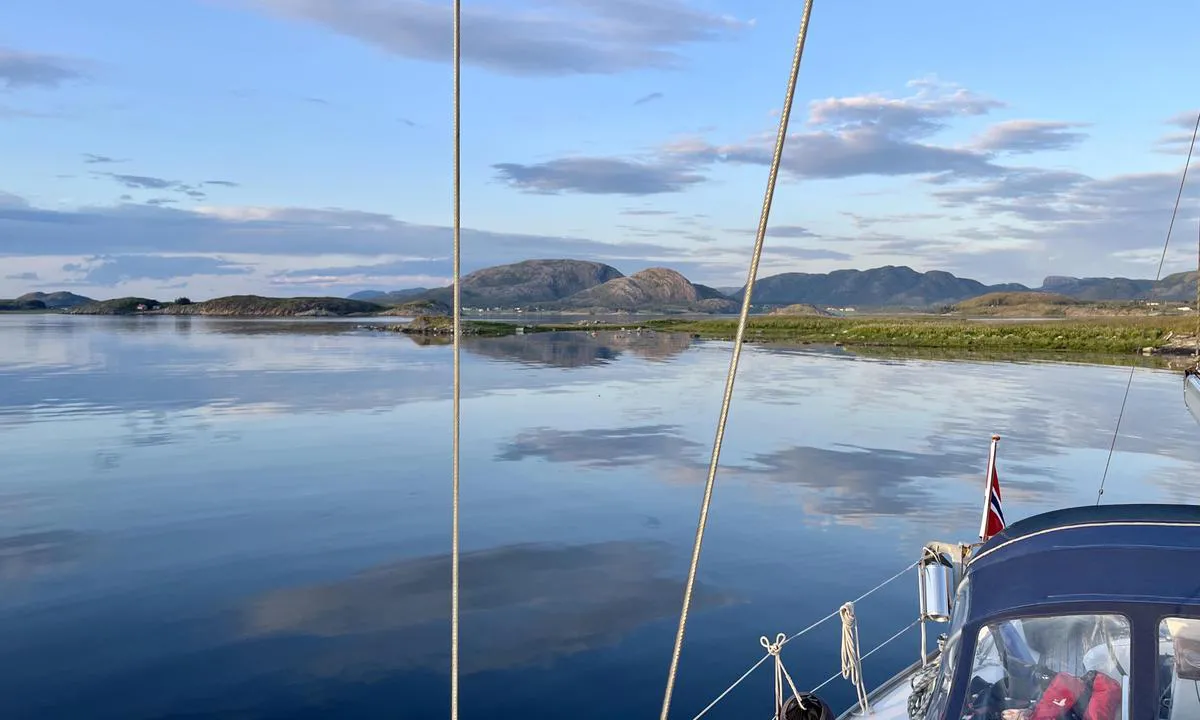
{"points": [[537, 601], [62, 366], [27, 554], [603, 448], [190, 505], [848, 481], [579, 349]]}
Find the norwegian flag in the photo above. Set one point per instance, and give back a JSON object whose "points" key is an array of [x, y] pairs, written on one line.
{"points": [[993, 512]]}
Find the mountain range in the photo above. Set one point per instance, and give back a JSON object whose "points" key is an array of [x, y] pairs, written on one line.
{"points": [[579, 285]]}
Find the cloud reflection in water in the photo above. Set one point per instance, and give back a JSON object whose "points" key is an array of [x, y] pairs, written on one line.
{"points": [[524, 604]]}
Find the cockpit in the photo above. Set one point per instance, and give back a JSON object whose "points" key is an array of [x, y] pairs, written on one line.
{"points": [[1095, 618], [1074, 666]]}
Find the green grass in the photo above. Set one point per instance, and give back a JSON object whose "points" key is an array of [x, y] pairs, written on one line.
{"points": [[1091, 335], [442, 325]]}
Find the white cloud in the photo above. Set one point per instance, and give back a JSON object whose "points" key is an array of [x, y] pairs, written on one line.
{"points": [[567, 37]]}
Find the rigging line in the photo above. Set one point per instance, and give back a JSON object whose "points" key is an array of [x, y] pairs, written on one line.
{"points": [[457, 22], [743, 319], [792, 637], [1157, 276]]}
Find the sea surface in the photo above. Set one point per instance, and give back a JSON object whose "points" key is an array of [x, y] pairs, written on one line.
{"points": [[219, 518]]}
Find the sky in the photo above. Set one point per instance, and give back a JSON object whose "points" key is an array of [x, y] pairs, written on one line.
{"points": [[304, 147]]}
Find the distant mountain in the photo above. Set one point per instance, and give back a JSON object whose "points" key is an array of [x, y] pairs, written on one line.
{"points": [[654, 288], [233, 306], [392, 297], [584, 285], [59, 299], [1178, 286], [255, 306], [22, 305], [530, 282], [888, 286]]}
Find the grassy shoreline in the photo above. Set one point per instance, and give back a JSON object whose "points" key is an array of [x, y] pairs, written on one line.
{"points": [[1108, 335]]}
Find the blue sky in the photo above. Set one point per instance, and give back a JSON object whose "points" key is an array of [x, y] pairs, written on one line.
{"points": [[294, 147]]}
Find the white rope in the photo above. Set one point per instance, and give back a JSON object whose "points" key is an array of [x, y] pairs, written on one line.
{"points": [[743, 319], [851, 657], [874, 650], [806, 630], [457, 376], [781, 672]]}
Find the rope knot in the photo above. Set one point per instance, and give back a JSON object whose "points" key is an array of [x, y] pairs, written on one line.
{"points": [[773, 648]]}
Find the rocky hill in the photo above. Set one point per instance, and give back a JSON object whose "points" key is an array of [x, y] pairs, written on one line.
{"points": [[530, 282], [1012, 304], [801, 310], [56, 300], [1178, 286], [653, 288], [1042, 304], [116, 306], [20, 305], [414, 308], [888, 286]]}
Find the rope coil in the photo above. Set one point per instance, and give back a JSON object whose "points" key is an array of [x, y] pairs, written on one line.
{"points": [[851, 656], [922, 684]]}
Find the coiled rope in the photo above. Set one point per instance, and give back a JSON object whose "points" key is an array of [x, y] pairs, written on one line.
{"points": [[851, 656], [743, 319], [922, 684]]}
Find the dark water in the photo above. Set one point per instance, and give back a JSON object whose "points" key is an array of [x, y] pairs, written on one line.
{"points": [[206, 518]]}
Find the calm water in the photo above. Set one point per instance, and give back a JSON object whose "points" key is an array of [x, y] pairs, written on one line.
{"points": [[251, 519]]}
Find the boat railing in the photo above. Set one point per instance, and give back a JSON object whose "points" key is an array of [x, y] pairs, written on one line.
{"points": [[774, 648], [934, 587]]}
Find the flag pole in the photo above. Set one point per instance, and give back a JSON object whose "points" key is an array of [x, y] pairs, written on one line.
{"points": [[987, 488]]}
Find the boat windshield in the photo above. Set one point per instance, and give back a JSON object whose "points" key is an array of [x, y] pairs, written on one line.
{"points": [[1043, 666]]}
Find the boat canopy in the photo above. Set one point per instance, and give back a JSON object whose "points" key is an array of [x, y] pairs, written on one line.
{"points": [[1089, 602], [1133, 553]]}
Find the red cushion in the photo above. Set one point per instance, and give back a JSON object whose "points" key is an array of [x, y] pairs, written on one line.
{"points": [[1106, 699], [1059, 698]]}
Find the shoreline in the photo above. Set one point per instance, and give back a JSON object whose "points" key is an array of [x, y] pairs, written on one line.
{"points": [[1166, 335], [1116, 335]]}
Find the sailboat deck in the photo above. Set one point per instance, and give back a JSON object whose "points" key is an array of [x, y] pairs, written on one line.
{"points": [[890, 700]]}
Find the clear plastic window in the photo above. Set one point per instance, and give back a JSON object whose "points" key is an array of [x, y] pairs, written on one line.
{"points": [[1043, 667], [1179, 668]]}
